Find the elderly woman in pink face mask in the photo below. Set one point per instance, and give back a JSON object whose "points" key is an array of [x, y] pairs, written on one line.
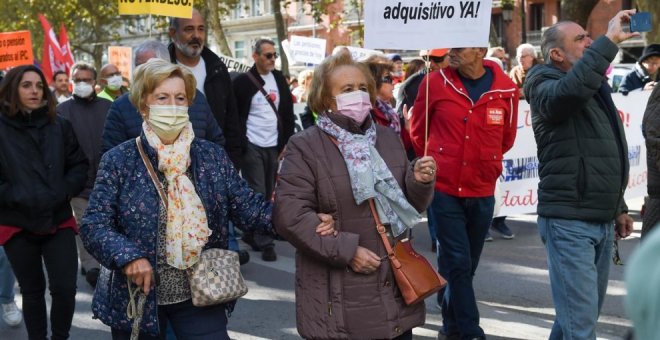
{"points": [[334, 168]]}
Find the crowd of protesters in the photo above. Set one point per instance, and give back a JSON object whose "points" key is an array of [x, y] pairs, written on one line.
{"points": [[75, 188]]}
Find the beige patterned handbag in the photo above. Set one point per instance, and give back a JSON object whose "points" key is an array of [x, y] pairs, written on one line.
{"points": [[216, 278]]}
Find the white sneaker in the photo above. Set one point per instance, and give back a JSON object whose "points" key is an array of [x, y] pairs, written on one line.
{"points": [[11, 314]]}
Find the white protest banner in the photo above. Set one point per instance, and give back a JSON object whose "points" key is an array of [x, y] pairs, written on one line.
{"points": [[358, 54], [234, 64], [518, 192], [418, 24], [170, 8], [307, 50]]}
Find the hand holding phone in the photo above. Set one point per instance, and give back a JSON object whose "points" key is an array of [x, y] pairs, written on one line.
{"points": [[641, 22]]}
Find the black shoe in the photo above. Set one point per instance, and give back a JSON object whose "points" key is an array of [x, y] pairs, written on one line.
{"points": [[92, 276], [249, 240], [269, 254], [243, 257]]}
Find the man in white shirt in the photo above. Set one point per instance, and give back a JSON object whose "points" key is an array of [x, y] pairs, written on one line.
{"points": [[265, 109]]}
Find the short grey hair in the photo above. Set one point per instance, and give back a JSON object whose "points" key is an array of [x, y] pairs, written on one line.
{"points": [[552, 38], [83, 66], [529, 48], [492, 50], [151, 46], [257, 45]]}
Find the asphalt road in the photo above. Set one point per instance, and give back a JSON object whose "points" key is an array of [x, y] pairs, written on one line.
{"points": [[511, 284]]}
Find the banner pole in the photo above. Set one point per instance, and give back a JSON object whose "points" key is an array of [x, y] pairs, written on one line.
{"points": [[427, 63]]}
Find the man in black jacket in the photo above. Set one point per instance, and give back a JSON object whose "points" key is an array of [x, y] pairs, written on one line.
{"points": [[265, 109], [86, 112], [187, 48], [583, 168]]}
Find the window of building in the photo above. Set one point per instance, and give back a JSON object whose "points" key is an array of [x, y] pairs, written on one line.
{"points": [[239, 49], [536, 16]]}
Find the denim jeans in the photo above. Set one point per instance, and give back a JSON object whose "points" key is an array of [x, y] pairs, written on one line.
{"points": [[231, 241], [7, 279], [579, 255], [461, 225], [188, 322]]}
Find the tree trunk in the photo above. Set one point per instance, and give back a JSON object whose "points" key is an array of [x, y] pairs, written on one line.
{"points": [[577, 10], [216, 27], [281, 34], [98, 57]]}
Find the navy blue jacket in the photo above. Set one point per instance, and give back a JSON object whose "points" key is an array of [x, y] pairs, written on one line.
{"points": [[635, 79], [124, 122], [122, 220]]}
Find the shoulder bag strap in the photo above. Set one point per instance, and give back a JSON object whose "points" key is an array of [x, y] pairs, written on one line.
{"points": [[261, 89], [382, 231], [152, 172]]}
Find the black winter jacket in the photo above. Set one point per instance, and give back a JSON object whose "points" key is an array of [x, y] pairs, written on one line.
{"points": [[87, 117], [582, 149], [41, 168], [651, 132], [220, 96], [245, 89]]}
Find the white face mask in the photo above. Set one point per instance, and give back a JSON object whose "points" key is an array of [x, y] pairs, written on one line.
{"points": [[114, 82], [168, 120], [82, 89]]}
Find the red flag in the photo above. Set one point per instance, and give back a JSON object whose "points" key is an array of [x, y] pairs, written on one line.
{"points": [[67, 56], [52, 54]]}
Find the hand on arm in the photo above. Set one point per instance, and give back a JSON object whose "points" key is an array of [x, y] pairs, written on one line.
{"points": [[623, 225], [327, 225]]}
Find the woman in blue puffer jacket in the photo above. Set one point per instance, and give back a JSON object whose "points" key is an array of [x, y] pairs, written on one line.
{"points": [[137, 238]]}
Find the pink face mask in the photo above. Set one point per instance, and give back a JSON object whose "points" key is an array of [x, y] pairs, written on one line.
{"points": [[355, 105]]}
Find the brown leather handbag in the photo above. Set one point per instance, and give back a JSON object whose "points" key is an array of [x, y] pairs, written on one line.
{"points": [[414, 275]]}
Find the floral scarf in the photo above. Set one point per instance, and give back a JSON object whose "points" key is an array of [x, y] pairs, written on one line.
{"points": [[390, 114], [370, 177], [187, 228]]}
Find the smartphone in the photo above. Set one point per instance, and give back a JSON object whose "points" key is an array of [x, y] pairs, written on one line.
{"points": [[641, 22]]}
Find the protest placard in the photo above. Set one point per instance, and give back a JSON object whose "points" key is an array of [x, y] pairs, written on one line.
{"points": [[358, 53], [307, 50], [418, 24], [170, 8], [15, 49], [122, 57]]}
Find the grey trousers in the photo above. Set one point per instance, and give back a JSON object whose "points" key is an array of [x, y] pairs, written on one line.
{"points": [[87, 262], [259, 168]]}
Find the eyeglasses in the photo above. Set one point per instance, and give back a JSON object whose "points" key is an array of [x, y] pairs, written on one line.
{"points": [[386, 79], [270, 55]]}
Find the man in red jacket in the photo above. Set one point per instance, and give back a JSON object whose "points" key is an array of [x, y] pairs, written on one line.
{"points": [[472, 118]]}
